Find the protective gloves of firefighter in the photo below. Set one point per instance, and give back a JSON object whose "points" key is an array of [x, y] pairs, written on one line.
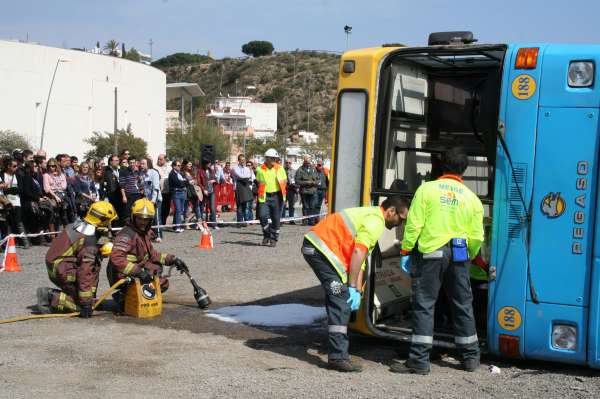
{"points": [[144, 276], [180, 266], [86, 310], [354, 299], [405, 263]]}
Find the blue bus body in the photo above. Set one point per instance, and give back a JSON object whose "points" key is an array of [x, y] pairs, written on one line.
{"points": [[544, 299]]}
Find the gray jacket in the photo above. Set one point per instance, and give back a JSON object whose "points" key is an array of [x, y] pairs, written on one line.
{"points": [[307, 179]]}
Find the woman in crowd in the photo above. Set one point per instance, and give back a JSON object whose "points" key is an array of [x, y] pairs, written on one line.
{"points": [[85, 191], [11, 186], [152, 191], [55, 186], [178, 189], [98, 181], [207, 178], [194, 193], [36, 212]]}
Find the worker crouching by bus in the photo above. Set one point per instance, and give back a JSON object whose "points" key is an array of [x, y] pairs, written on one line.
{"points": [[133, 254], [272, 183], [336, 249], [73, 263], [445, 221]]}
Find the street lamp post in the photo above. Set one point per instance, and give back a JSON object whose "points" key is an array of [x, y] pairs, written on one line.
{"points": [[348, 31], [48, 101]]}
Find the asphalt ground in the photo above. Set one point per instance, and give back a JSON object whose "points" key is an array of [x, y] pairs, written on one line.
{"points": [[185, 354]]}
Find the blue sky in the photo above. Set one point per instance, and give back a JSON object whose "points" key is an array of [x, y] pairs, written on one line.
{"points": [[223, 26]]}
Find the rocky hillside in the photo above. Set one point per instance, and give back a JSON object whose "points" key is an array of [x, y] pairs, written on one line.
{"points": [[299, 81]]}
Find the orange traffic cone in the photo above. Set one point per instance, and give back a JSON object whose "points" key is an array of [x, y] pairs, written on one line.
{"points": [[206, 240], [10, 262]]}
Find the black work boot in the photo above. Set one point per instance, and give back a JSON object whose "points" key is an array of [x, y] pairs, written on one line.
{"points": [[344, 366], [470, 365], [266, 242], [272, 243], [44, 296], [406, 368]]}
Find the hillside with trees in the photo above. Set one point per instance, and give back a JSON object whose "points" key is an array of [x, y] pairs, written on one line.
{"points": [[303, 83]]}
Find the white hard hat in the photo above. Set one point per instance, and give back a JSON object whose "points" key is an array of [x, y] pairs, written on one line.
{"points": [[271, 153]]}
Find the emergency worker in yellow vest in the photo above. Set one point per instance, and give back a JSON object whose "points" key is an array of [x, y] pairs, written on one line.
{"points": [[272, 183], [336, 249], [444, 230]]}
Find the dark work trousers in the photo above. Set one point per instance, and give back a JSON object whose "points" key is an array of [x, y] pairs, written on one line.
{"points": [[291, 200], [336, 297], [309, 207], [165, 207], [429, 274], [271, 208], [131, 198]]}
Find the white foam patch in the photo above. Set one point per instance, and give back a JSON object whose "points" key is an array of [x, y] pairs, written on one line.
{"points": [[283, 315]]}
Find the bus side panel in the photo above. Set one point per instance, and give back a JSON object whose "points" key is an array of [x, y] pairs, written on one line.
{"points": [[508, 291]]}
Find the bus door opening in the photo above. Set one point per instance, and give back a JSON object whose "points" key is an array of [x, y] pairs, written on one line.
{"points": [[432, 99]]}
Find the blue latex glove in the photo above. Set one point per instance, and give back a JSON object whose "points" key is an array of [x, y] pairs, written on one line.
{"points": [[354, 299], [405, 263]]}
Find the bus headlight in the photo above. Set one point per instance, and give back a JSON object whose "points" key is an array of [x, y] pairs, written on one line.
{"points": [[564, 337], [581, 73]]}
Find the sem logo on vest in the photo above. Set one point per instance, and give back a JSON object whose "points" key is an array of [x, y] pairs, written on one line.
{"points": [[581, 184], [449, 198]]}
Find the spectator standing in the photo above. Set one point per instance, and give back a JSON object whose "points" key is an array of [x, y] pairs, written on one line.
{"points": [[152, 191], [207, 178], [98, 181], [292, 191], [131, 185], [323, 185], [85, 190], [112, 187], [35, 217], [11, 187], [243, 178], [55, 186], [308, 181], [178, 189], [164, 169], [193, 192]]}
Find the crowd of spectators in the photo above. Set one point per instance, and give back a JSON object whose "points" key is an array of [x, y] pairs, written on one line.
{"points": [[39, 194]]}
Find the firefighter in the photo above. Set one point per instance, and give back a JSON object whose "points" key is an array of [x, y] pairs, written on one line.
{"points": [[133, 255], [272, 183], [336, 249], [73, 263], [443, 231]]}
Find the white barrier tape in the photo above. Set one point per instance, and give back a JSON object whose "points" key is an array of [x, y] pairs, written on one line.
{"points": [[255, 221]]}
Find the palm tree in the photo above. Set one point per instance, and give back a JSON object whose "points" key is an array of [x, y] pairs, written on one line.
{"points": [[112, 46]]}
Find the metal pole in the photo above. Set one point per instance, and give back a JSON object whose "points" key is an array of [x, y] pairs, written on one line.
{"points": [[181, 111], [191, 112], [115, 132], [48, 102], [308, 105]]}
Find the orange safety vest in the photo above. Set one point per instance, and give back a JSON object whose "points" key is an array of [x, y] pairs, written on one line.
{"points": [[281, 181]]}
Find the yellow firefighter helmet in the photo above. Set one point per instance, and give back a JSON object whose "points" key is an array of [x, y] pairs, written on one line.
{"points": [[143, 208], [101, 214], [106, 249]]}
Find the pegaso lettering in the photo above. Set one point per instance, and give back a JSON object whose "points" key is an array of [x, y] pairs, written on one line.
{"points": [[581, 184]]}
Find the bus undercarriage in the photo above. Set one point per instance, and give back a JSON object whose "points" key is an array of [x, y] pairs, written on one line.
{"points": [[430, 99]]}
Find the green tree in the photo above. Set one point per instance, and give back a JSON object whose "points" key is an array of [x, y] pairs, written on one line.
{"points": [[258, 48], [103, 144], [132, 55], [276, 95], [186, 145], [112, 46], [181, 59], [10, 140]]}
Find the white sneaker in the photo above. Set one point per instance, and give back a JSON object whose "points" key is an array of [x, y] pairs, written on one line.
{"points": [[178, 230], [158, 240], [217, 227]]}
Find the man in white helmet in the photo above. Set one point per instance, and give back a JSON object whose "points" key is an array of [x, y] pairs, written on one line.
{"points": [[272, 182]]}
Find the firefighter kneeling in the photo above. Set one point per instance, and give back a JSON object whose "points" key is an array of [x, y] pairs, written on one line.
{"points": [[73, 263], [133, 254]]}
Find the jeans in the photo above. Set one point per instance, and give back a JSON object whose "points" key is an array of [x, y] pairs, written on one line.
{"points": [[179, 200], [336, 297], [196, 208], [321, 194], [210, 203], [165, 207], [271, 208], [244, 211], [309, 206], [291, 201], [157, 219]]}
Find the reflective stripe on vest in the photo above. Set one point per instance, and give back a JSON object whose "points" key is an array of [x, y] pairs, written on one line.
{"points": [[337, 264]]}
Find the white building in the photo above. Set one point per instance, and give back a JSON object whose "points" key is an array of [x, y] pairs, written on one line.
{"points": [[239, 115], [80, 99]]}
